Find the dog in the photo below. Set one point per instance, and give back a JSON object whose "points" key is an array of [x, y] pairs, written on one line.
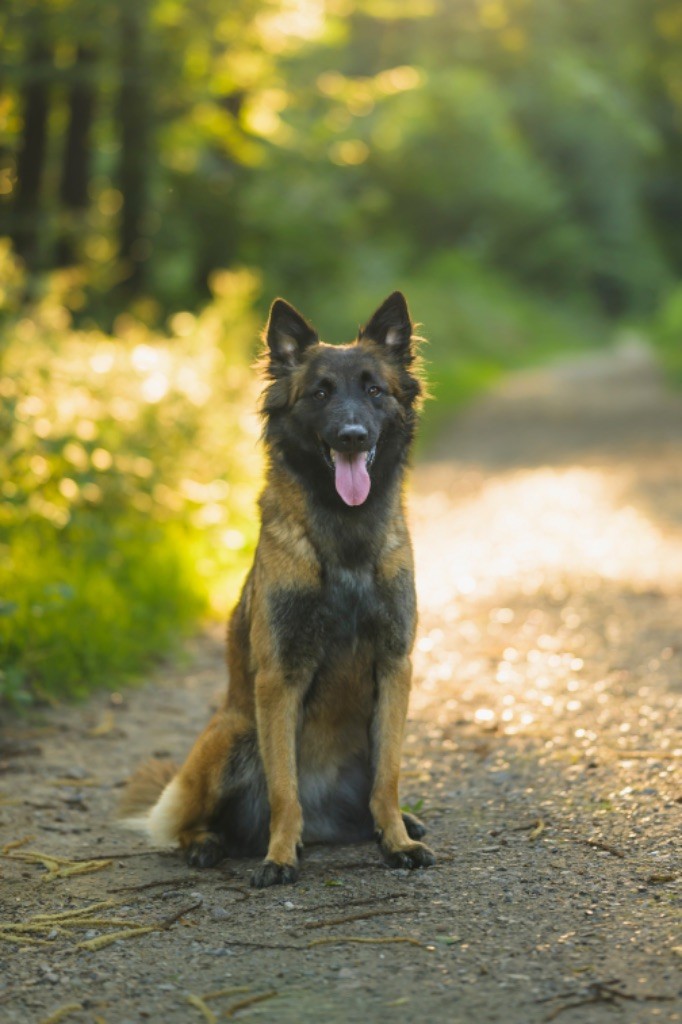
{"points": [[307, 745]]}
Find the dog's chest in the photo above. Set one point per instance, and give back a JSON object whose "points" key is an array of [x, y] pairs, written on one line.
{"points": [[351, 604], [354, 611], [327, 622]]}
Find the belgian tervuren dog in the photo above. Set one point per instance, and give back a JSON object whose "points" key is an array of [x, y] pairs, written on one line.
{"points": [[307, 745]]}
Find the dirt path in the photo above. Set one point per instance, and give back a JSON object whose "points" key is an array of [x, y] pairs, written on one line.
{"points": [[543, 742]]}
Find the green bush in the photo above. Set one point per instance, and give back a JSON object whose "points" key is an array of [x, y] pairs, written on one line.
{"points": [[128, 469]]}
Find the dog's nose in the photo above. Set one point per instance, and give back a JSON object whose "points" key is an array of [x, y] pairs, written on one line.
{"points": [[353, 434]]}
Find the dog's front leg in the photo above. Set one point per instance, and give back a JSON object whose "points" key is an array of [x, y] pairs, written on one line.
{"points": [[277, 710], [388, 725]]}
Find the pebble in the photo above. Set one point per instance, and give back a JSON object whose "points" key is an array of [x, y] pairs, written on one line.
{"points": [[219, 913]]}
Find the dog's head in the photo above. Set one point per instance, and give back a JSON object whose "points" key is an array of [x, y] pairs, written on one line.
{"points": [[343, 416]]}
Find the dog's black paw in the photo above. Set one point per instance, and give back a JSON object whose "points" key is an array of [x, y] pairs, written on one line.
{"points": [[416, 829], [415, 856], [205, 852], [270, 873]]}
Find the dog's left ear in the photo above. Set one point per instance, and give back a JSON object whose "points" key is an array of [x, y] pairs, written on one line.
{"points": [[287, 334], [391, 326]]}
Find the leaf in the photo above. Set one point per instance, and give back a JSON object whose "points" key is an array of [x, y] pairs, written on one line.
{"points": [[414, 808]]}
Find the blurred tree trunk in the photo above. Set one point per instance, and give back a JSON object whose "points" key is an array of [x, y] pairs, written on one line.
{"points": [[32, 150], [133, 118], [73, 188]]}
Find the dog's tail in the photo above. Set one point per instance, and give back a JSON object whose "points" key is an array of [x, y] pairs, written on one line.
{"points": [[144, 796]]}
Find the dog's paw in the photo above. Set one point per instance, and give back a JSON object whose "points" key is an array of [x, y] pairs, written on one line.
{"points": [[271, 873], [205, 852], [416, 829], [417, 855]]}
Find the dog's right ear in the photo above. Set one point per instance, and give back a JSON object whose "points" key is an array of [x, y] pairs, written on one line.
{"points": [[288, 335]]}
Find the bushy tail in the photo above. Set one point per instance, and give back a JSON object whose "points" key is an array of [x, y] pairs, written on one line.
{"points": [[143, 790]]}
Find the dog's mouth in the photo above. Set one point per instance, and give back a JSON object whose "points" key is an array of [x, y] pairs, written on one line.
{"points": [[351, 473]]}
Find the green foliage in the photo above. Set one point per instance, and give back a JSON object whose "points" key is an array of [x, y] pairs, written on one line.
{"points": [[539, 138], [129, 466]]}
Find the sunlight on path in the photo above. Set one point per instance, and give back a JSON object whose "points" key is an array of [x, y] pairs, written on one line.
{"points": [[527, 529], [542, 596]]}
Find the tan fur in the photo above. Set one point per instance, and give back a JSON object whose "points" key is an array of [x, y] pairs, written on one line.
{"points": [[391, 715], [200, 776]]}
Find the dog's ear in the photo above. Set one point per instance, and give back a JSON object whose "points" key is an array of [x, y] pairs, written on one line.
{"points": [[391, 326], [287, 334]]}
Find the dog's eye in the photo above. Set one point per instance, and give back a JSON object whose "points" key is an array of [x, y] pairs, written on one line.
{"points": [[320, 395], [373, 391]]}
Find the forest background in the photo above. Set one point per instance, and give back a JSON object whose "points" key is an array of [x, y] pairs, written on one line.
{"points": [[168, 167]]}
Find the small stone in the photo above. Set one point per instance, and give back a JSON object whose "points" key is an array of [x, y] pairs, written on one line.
{"points": [[219, 913], [288, 905]]}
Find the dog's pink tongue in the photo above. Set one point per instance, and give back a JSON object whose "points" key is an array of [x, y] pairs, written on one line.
{"points": [[351, 476]]}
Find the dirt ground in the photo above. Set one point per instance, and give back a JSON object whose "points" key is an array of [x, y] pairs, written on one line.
{"points": [[541, 750]]}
